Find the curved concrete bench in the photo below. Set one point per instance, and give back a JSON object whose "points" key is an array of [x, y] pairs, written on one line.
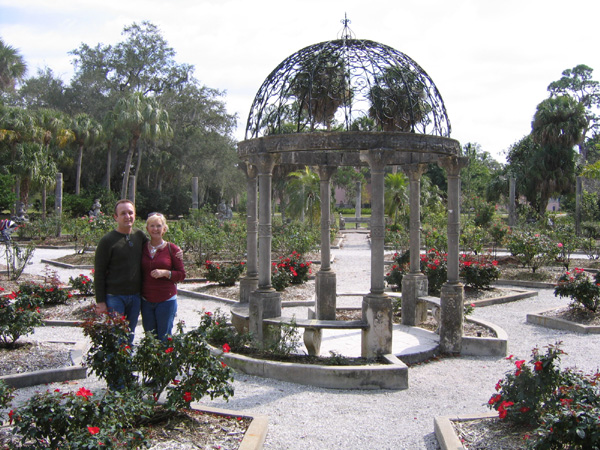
{"points": [[313, 329]]}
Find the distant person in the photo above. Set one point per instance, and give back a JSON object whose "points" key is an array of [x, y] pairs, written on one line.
{"points": [[117, 267], [161, 270]]}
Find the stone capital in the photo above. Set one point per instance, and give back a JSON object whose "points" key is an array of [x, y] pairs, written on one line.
{"points": [[377, 159], [453, 164], [265, 164], [414, 172], [325, 172]]}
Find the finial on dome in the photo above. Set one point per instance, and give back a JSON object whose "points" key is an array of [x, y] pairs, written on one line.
{"points": [[346, 33]]}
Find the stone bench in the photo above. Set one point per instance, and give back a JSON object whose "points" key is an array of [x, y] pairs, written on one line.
{"points": [[355, 220], [313, 329]]}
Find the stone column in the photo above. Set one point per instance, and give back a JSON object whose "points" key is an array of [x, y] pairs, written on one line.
{"points": [[249, 283], [512, 213], [358, 208], [414, 284], [194, 192], [452, 294], [326, 279], [265, 302], [58, 198], [377, 306]]}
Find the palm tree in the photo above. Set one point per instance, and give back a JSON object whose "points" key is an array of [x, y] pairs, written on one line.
{"points": [[12, 67], [398, 100], [320, 88], [557, 126], [86, 132], [396, 194], [304, 194], [139, 117]]}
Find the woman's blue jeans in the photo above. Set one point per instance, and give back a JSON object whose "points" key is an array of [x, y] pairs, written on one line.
{"points": [[128, 306], [159, 317]]}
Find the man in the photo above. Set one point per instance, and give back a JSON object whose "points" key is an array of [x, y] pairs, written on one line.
{"points": [[117, 267]]}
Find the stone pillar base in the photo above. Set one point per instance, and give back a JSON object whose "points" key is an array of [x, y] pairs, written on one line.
{"points": [[263, 305], [247, 286], [451, 323], [326, 295], [414, 285], [377, 339]]}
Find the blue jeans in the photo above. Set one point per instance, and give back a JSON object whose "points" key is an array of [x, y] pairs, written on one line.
{"points": [[128, 306], [159, 317]]}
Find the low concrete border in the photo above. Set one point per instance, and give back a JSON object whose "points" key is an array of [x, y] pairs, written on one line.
{"points": [[485, 346], [255, 435], [75, 372], [561, 324], [393, 375], [65, 265], [520, 295], [444, 431]]}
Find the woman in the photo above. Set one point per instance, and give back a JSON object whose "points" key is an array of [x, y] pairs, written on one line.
{"points": [[161, 271]]}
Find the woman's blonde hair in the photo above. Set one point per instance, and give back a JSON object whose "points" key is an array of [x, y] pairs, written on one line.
{"points": [[153, 217]]}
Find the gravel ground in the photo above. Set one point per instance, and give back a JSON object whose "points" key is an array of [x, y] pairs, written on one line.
{"points": [[304, 417]]}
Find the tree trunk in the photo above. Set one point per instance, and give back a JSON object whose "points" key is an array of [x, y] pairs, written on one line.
{"points": [[108, 165], [78, 170], [44, 197], [125, 185]]}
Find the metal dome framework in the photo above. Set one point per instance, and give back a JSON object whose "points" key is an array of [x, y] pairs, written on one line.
{"points": [[348, 85]]}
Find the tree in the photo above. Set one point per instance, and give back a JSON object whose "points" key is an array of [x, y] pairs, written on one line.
{"points": [[304, 192], [321, 86], [43, 91], [86, 132], [577, 83], [12, 67], [544, 162], [139, 117], [398, 100], [396, 194], [477, 176]]}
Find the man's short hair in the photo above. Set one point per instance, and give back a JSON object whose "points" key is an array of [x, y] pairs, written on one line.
{"points": [[124, 200]]}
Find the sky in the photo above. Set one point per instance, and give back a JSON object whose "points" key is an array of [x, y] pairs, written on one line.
{"points": [[491, 61]]}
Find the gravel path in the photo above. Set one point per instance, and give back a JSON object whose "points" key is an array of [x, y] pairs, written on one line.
{"points": [[304, 417]]}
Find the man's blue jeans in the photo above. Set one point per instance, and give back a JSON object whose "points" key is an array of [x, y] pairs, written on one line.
{"points": [[128, 306], [159, 317]]}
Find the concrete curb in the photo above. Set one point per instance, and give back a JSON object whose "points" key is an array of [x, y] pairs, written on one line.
{"points": [[526, 284], [561, 324], [521, 294], [485, 346], [444, 431], [393, 375], [75, 372], [65, 265], [255, 435]]}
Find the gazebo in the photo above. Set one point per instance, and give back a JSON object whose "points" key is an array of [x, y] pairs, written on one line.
{"points": [[351, 102]]}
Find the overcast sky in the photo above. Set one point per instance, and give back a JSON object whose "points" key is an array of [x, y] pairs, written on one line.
{"points": [[491, 61]]}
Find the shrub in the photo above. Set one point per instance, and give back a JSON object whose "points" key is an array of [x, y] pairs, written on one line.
{"points": [[225, 274], [478, 271], [567, 242], [532, 249], [579, 286], [400, 266], [82, 419], [82, 283], [17, 258], [280, 278], [563, 405], [523, 391], [87, 231], [434, 266], [48, 294], [571, 419], [19, 315], [218, 331]]}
